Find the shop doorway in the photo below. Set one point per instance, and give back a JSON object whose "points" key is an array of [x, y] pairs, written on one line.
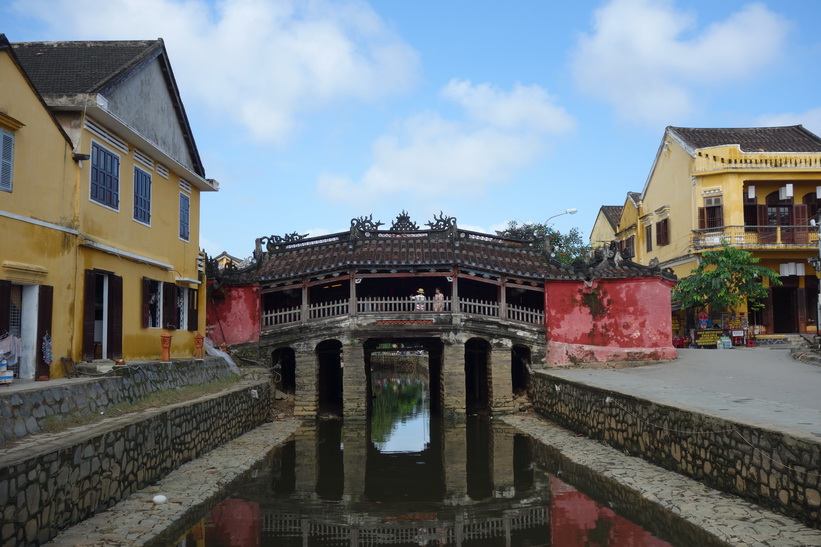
{"points": [[784, 310]]}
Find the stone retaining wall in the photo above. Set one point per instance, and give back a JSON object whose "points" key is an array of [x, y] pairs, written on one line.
{"points": [[769, 468], [23, 412], [66, 477]]}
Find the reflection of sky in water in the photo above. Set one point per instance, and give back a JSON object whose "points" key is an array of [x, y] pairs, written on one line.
{"points": [[409, 434], [401, 415]]}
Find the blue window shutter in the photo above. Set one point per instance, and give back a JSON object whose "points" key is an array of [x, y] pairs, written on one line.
{"points": [[6, 160], [185, 210]]}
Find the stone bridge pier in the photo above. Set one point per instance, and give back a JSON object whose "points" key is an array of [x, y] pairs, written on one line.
{"points": [[479, 370]]}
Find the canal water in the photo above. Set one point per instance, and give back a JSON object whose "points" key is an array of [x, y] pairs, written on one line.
{"points": [[409, 478]]}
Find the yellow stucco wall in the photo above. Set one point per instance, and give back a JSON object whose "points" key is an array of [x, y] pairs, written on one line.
{"points": [[36, 219], [602, 233], [52, 232]]}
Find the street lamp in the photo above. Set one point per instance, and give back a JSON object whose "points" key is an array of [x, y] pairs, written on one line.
{"points": [[570, 211]]}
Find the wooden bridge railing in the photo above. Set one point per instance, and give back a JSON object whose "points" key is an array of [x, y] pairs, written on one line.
{"points": [[393, 305]]}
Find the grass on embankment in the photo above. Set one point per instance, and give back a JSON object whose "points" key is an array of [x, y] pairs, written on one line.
{"points": [[157, 399]]}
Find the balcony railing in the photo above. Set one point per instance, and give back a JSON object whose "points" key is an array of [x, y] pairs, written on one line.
{"points": [[400, 305], [737, 160], [794, 237]]}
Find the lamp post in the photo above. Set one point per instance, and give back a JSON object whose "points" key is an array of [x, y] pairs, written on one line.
{"points": [[570, 211]]}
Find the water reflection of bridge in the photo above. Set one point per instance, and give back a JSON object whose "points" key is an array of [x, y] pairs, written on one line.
{"points": [[450, 527], [333, 485]]}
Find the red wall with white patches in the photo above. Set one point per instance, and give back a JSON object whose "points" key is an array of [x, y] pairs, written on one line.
{"points": [[610, 320], [233, 314]]}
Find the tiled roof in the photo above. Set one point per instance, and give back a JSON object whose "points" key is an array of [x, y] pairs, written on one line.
{"points": [[67, 68], [792, 138], [423, 250], [612, 213], [365, 247]]}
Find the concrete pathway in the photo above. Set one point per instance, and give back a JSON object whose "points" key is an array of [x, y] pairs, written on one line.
{"points": [[758, 386]]}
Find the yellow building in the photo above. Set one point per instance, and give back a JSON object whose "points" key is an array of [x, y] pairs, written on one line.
{"points": [[101, 204], [756, 189], [606, 225]]}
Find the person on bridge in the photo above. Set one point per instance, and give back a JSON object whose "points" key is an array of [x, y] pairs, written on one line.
{"points": [[438, 300], [419, 297]]}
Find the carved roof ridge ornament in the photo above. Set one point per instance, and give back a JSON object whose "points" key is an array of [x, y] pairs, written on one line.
{"points": [[365, 225], [441, 222], [403, 223]]}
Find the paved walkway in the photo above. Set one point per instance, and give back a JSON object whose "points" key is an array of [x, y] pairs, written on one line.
{"points": [[760, 386]]}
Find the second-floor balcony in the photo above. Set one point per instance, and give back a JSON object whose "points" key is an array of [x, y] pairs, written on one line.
{"points": [[393, 306], [757, 237]]}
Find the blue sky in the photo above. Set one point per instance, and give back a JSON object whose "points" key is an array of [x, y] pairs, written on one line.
{"points": [[310, 113]]}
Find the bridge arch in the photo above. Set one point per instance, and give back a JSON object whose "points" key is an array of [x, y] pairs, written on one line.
{"points": [[478, 385], [283, 362], [329, 376], [520, 365]]}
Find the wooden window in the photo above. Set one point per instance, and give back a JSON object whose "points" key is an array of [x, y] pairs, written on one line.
{"points": [[152, 304], [6, 160], [5, 306], [45, 304], [105, 177], [663, 232], [142, 196], [627, 247], [712, 214], [193, 309], [648, 237], [185, 217], [169, 306]]}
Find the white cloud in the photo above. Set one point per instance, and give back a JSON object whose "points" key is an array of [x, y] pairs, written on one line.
{"points": [[425, 157], [645, 57], [263, 62], [810, 119], [527, 107]]}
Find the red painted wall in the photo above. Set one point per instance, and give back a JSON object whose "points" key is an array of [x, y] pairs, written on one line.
{"points": [[610, 320], [233, 313]]}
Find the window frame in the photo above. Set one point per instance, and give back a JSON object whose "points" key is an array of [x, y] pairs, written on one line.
{"points": [[185, 217], [6, 160], [648, 238], [96, 149], [663, 232], [147, 179]]}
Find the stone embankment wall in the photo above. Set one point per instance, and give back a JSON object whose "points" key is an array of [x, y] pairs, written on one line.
{"points": [[774, 470], [53, 481], [23, 412]]}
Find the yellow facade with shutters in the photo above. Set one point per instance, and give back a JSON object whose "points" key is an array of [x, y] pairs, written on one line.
{"points": [[100, 248], [757, 191]]}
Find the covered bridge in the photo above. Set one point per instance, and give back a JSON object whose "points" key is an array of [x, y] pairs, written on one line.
{"points": [[485, 309]]}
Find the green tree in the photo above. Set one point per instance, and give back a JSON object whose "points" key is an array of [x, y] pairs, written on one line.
{"points": [[566, 247], [725, 280]]}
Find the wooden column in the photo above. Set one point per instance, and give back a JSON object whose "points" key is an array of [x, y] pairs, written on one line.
{"points": [[454, 297], [503, 297], [352, 297], [304, 310]]}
